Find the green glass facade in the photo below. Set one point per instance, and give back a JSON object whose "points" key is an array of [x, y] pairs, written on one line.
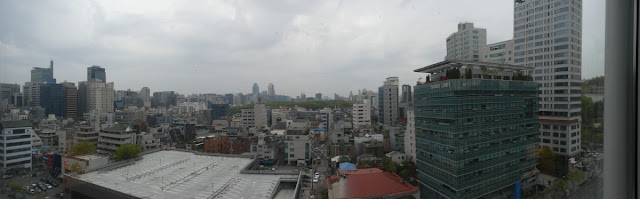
{"points": [[474, 136]]}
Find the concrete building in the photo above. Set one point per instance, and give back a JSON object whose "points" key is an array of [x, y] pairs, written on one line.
{"points": [[96, 72], [95, 95], [164, 98], [466, 43], [272, 91], [493, 141], [396, 156], [388, 102], [70, 99], [31, 94], [145, 97], [318, 96], [16, 144], [500, 52], [227, 144], [548, 37], [110, 138], [255, 94], [410, 136], [260, 118], [178, 174], [297, 146], [86, 134], [85, 162], [361, 115], [7, 91]]}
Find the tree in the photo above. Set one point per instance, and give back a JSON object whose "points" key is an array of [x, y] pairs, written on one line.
{"points": [[75, 167], [574, 177], [127, 151], [588, 110], [558, 185], [408, 171], [82, 148], [468, 74], [547, 158]]}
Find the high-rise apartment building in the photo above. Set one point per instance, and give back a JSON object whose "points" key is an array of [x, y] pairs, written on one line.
{"points": [[96, 72], [272, 91], [476, 136], [548, 37], [318, 96], [255, 94], [361, 114], [145, 97], [410, 136], [500, 52], [16, 139], [70, 99], [388, 101], [164, 98], [466, 43], [52, 99]]}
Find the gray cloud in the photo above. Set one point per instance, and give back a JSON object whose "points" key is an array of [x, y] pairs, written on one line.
{"points": [[225, 46]]}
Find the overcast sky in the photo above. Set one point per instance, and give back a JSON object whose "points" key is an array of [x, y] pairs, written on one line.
{"points": [[226, 46]]}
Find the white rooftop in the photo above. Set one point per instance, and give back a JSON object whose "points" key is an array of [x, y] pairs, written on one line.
{"points": [[176, 174]]}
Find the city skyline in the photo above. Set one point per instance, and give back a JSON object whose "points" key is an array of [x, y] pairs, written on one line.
{"points": [[332, 48]]}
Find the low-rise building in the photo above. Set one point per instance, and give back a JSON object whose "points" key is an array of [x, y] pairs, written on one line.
{"points": [[226, 144], [297, 146], [396, 156], [112, 137], [369, 183], [85, 162], [16, 142]]}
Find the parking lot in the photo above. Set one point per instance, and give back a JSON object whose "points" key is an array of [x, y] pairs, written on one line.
{"points": [[36, 176]]}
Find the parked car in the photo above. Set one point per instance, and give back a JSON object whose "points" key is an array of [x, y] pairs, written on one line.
{"points": [[315, 180], [6, 176], [49, 186], [317, 175], [32, 191]]}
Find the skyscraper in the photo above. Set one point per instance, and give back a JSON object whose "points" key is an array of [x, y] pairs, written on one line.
{"points": [[96, 72], [388, 101], [475, 136], [318, 96], [41, 75], [145, 97], [31, 94], [8, 90], [51, 99], [70, 99], [95, 95], [548, 37], [465, 44], [256, 93], [407, 94], [272, 91]]}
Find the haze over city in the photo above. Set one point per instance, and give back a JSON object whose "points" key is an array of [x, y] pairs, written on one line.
{"points": [[226, 46]]}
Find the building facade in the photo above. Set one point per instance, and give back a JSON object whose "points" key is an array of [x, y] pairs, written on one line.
{"points": [[297, 146], [109, 139], [52, 99], [476, 136], [388, 102], [70, 99], [96, 72], [548, 37], [410, 136], [361, 115], [16, 144], [255, 94], [145, 97], [500, 52], [466, 43]]}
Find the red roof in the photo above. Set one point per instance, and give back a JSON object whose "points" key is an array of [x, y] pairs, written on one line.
{"points": [[384, 184], [359, 171]]}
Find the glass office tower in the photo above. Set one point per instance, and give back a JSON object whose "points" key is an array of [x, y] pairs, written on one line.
{"points": [[476, 131]]}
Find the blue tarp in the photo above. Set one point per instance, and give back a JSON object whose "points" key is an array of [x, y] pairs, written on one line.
{"points": [[347, 166]]}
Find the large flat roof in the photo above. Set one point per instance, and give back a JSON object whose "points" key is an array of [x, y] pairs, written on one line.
{"points": [[176, 174], [447, 64]]}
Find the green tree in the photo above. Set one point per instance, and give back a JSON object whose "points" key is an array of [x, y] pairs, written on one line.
{"points": [[82, 148], [574, 177], [588, 110], [127, 151], [408, 170], [558, 185], [389, 165], [546, 159], [75, 167]]}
